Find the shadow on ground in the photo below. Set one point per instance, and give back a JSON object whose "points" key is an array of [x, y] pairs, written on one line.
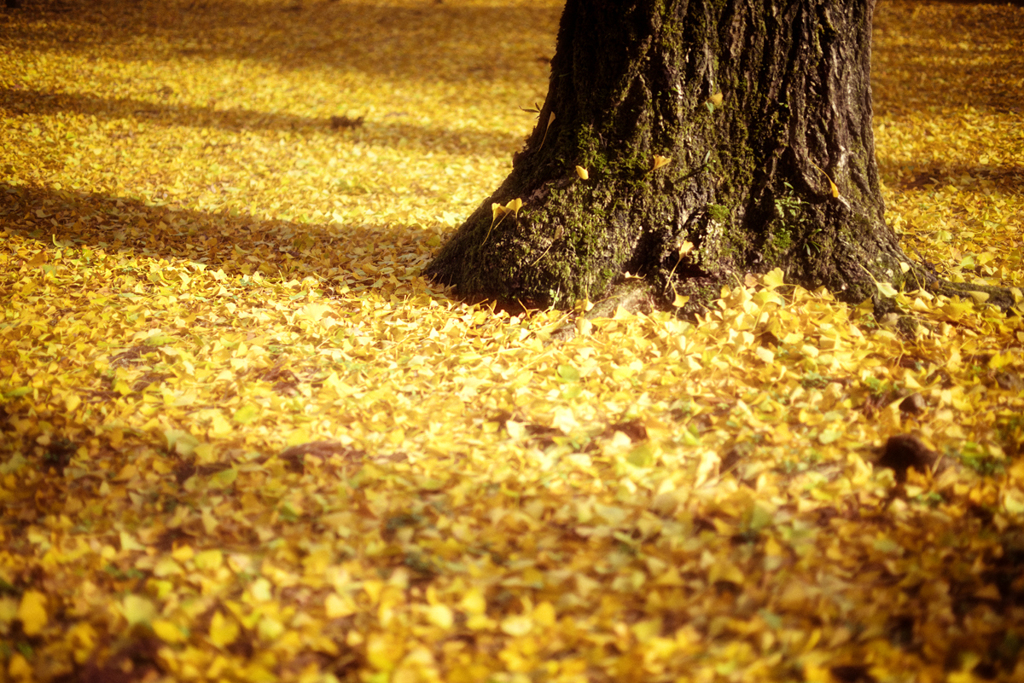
{"points": [[444, 41], [1004, 179], [23, 102], [968, 57], [235, 243]]}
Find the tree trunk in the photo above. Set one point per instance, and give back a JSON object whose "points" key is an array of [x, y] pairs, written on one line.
{"points": [[762, 109]]}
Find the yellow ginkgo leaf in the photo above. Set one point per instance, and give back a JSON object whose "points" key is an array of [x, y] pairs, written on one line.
{"points": [[138, 609], [19, 669], [313, 312], [209, 559], [440, 615], [774, 278], [551, 119], [724, 570], [886, 289], [473, 601], [223, 630], [32, 612], [680, 301], [246, 414], [383, 651], [336, 606], [832, 185], [716, 99], [167, 631], [517, 625], [660, 161], [544, 614], [498, 213], [219, 426]]}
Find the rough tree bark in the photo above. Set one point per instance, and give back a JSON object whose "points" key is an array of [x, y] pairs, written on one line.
{"points": [[763, 109]]}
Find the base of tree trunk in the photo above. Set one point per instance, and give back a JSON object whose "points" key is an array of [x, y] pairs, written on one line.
{"points": [[690, 143]]}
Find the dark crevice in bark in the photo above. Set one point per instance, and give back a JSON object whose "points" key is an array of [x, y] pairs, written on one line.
{"points": [[762, 109]]}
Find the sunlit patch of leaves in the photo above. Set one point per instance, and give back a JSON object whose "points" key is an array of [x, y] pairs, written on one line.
{"points": [[242, 436]]}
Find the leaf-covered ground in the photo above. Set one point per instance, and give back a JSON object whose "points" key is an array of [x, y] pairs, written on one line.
{"points": [[241, 438]]}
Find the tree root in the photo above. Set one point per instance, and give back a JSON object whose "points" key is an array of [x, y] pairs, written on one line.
{"points": [[1009, 299], [634, 295]]}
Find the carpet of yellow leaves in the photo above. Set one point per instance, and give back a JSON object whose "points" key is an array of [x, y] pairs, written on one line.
{"points": [[241, 438]]}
